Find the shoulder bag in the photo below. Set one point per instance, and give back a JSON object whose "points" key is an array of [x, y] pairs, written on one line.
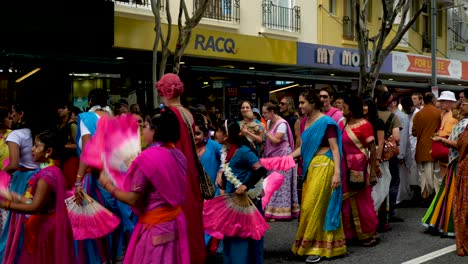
{"points": [[390, 145]]}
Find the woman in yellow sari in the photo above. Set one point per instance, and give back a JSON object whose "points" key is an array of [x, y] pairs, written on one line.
{"points": [[320, 233]]}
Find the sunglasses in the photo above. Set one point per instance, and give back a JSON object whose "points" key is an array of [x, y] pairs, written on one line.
{"points": [[140, 121], [282, 103], [324, 96]]}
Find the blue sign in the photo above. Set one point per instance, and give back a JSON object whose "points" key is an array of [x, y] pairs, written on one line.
{"points": [[329, 57]]}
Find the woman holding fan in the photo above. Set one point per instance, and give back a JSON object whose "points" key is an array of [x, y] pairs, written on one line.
{"points": [[242, 171], [48, 236], [284, 204], [110, 247], [155, 188]]}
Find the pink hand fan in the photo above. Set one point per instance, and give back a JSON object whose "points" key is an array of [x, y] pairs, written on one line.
{"points": [[90, 220], [234, 216], [278, 163], [115, 145], [4, 185], [271, 184]]}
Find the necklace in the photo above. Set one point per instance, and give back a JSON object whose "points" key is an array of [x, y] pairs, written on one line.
{"points": [[201, 151], [252, 193]]}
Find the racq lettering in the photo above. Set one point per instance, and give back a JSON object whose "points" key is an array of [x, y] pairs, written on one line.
{"points": [[220, 44]]}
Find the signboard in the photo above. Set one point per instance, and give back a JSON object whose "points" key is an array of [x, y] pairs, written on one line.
{"points": [[412, 64], [139, 34], [330, 57]]}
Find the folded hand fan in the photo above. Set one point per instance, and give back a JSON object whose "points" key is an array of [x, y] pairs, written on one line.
{"points": [[233, 215], [271, 184], [278, 163], [4, 185], [91, 219]]}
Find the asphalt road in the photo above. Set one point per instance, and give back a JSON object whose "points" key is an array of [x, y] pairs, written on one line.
{"points": [[405, 242]]}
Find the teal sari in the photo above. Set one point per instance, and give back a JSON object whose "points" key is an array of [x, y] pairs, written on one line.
{"points": [[311, 139]]}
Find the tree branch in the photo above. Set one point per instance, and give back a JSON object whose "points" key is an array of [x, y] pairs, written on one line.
{"points": [[186, 33], [403, 28]]}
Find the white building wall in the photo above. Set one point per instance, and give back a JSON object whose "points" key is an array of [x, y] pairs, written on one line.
{"points": [[251, 19]]}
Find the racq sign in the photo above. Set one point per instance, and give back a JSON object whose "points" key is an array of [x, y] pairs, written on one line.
{"points": [[215, 44]]}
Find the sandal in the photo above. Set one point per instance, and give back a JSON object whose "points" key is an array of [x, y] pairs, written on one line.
{"points": [[370, 243]]}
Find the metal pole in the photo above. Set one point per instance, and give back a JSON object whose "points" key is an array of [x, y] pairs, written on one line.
{"points": [[434, 42]]}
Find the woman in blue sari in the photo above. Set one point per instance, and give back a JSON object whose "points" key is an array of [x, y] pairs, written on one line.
{"points": [[110, 248], [320, 233], [239, 155]]}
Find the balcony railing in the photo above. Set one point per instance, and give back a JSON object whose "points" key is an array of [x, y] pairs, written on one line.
{"points": [[222, 10], [136, 3], [281, 18]]}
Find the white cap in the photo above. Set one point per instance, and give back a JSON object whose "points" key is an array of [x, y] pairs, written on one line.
{"points": [[447, 96]]}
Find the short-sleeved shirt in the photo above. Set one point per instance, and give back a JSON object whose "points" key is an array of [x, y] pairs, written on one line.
{"points": [[384, 115], [23, 138], [241, 165], [282, 128]]}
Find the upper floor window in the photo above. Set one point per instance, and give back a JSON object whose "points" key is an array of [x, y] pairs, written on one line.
{"points": [[332, 6], [224, 10], [282, 15]]}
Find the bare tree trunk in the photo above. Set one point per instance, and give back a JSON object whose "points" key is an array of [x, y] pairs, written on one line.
{"points": [[155, 7], [369, 77], [185, 32]]}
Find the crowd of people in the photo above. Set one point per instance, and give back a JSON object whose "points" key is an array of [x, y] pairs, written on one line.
{"points": [[358, 161]]}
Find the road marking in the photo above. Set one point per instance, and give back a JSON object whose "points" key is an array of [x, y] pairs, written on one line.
{"points": [[432, 255]]}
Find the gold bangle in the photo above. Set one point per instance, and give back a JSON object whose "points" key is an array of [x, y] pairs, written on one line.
{"points": [[7, 204]]}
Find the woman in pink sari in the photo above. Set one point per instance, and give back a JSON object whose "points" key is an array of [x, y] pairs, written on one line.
{"points": [[48, 236], [359, 218], [171, 88], [155, 188]]}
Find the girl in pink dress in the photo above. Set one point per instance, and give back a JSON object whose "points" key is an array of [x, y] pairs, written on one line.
{"points": [[48, 236]]}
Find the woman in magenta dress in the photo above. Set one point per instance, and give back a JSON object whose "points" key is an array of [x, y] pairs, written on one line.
{"points": [[359, 218], [48, 236], [155, 188]]}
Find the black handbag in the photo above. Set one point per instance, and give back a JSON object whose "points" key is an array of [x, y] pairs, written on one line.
{"points": [[206, 185]]}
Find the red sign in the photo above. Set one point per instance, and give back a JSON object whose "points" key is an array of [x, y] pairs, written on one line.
{"points": [[464, 70], [232, 91], [421, 64]]}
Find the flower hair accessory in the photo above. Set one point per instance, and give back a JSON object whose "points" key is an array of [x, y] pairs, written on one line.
{"points": [[226, 126]]}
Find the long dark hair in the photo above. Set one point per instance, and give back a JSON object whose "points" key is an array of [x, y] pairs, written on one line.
{"points": [[53, 139], [372, 115], [166, 125], [355, 104], [232, 130]]}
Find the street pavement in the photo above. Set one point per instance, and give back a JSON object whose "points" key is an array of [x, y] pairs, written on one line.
{"points": [[404, 243]]}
